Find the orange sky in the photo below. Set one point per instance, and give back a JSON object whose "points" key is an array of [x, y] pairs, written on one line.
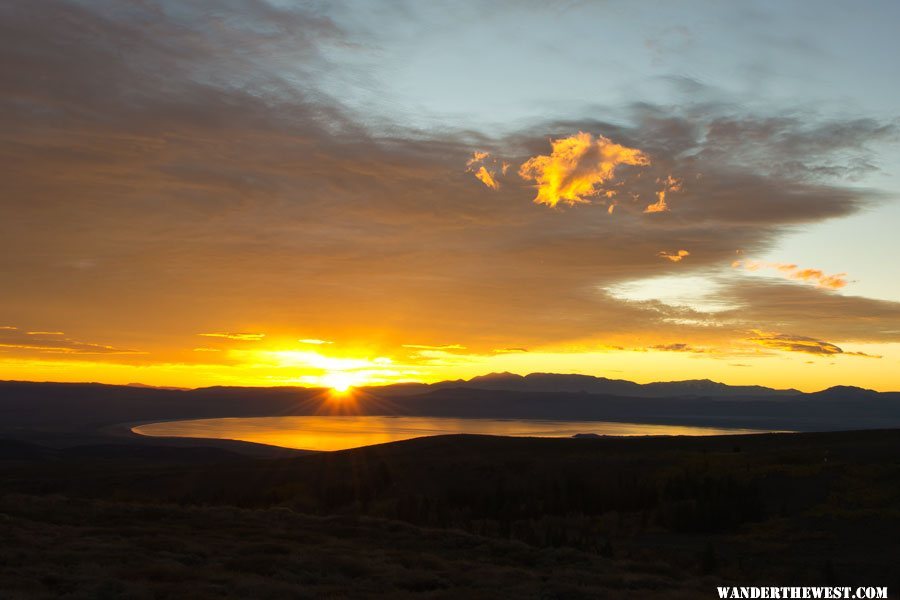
{"points": [[191, 204]]}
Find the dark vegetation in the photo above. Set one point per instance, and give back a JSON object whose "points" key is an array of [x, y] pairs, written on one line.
{"points": [[88, 512], [61, 548], [454, 516]]}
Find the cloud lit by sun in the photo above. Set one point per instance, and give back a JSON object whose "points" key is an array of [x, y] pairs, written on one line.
{"points": [[485, 168], [669, 184], [674, 256], [576, 168], [817, 277]]}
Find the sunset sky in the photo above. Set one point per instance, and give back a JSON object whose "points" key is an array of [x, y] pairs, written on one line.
{"points": [[269, 192]]}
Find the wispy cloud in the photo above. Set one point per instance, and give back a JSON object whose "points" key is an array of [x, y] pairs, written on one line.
{"points": [[314, 341], [438, 347], [576, 168], [862, 354], [477, 157], [229, 335], [674, 256], [792, 271], [678, 347], [670, 184], [794, 343], [54, 342], [488, 176]]}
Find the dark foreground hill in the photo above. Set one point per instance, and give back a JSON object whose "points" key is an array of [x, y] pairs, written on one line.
{"points": [[453, 516]]}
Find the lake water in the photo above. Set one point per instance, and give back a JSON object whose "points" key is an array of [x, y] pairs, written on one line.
{"points": [[342, 432]]}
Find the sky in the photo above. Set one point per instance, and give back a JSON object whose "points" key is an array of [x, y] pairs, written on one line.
{"points": [[265, 192]]}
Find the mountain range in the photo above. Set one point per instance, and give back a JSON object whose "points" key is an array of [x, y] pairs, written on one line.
{"points": [[556, 382]]}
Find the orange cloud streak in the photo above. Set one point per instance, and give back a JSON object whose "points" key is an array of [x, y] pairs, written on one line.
{"points": [[674, 256], [669, 185], [488, 177], [229, 335], [792, 271], [794, 343], [485, 177], [576, 167], [477, 157]]}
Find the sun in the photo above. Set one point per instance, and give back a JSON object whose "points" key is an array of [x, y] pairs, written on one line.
{"points": [[338, 382]]}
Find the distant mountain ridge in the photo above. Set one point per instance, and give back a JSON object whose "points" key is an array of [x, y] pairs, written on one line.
{"points": [[557, 382]]}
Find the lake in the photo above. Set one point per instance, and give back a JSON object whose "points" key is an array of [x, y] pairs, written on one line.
{"points": [[342, 432]]}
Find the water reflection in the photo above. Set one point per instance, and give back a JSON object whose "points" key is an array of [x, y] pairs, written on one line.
{"points": [[342, 432]]}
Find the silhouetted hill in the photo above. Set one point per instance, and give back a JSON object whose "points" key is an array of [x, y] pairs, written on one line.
{"points": [[555, 382], [706, 387], [849, 392]]}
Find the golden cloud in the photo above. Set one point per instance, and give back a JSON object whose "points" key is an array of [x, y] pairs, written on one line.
{"points": [[832, 282], [792, 271], [476, 165], [244, 337], [658, 206], [678, 347], [439, 347], [670, 184], [795, 343], [576, 167], [863, 354], [12, 338], [477, 157], [487, 178], [674, 256]]}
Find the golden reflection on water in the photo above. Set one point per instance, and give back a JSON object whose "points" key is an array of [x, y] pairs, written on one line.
{"points": [[342, 432]]}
